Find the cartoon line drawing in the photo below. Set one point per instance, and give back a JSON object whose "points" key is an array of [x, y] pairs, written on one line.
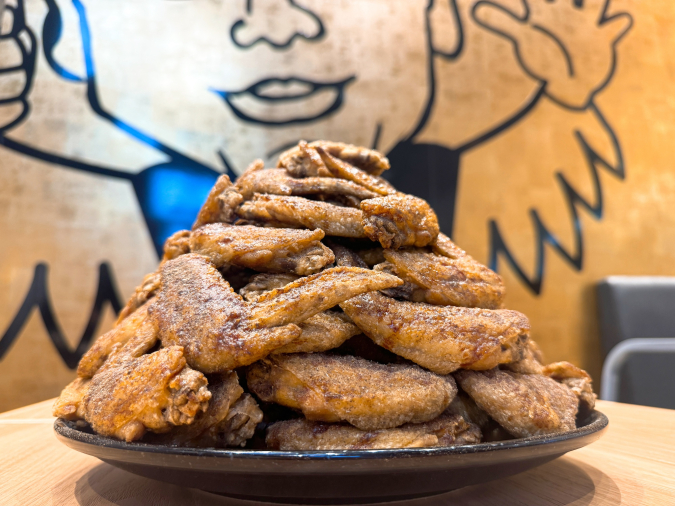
{"points": [[553, 57]]}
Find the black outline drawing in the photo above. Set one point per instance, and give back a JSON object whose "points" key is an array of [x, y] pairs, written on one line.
{"points": [[447, 160], [38, 298]]}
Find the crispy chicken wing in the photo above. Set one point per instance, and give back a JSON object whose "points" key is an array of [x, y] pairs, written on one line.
{"points": [[440, 338], [69, 404], [448, 282], [524, 404], [262, 249], [299, 212], [299, 163], [333, 388], [144, 292], [310, 295], [230, 419], [137, 322], [530, 362], [220, 203], [279, 182], [577, 380], [176, 245], [134, 392], [341, 169], [302, 434], [196, 308], [321, 332], [398, 221]]}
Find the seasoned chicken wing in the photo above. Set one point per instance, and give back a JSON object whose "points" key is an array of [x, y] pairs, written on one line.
{"points": [[96, 356], [302, 434], [577, 380], [368, 395], [321, 332], [310, 295], [298, 162], [196, 308], [176, 245], [341, 169], [398, 221], [445, 281], [279, 182], [135, 392], [69, 404], [144, 292], [220, 203], [262, 249], [524, 404], [230, 419], [299, 212]]}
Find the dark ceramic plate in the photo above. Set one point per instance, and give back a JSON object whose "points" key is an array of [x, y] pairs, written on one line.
{"points": [[332, 477]]}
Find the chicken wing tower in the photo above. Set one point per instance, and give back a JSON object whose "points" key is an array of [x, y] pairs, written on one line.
{"points": [[314, 306]]}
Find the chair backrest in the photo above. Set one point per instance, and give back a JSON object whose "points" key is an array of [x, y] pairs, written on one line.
{"points": [[635, 306]]}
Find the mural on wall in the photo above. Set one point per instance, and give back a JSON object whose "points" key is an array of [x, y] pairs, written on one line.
{"points": [[165, 96]]}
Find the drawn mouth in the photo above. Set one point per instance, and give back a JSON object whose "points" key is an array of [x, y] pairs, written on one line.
{"points": [[279, 102]]}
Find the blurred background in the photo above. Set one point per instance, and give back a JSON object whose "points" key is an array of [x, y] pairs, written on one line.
{"points": [[541, 132]]}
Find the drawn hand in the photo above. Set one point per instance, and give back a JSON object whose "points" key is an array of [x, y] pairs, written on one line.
{"points": [[17, 54], [568, 45]]}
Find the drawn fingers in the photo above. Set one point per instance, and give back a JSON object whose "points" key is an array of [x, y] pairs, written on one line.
{"points": [[616, 26], [500, 20]]}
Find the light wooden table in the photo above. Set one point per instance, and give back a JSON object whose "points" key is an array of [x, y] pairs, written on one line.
{"points": [[633, 464]]}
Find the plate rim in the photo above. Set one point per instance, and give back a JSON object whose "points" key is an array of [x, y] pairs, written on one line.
{"points": [[596, 422]]}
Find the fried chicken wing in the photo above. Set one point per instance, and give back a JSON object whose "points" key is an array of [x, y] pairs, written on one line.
{"points": [[577, 380], [448, 282], [530, 362], [279, 182], [302, 434], [333, 388], [96, 356], [300, 163], [134, 392], [299, 212], [220, 203], [230, 419], [262, 249], [310, 295], [69, 404], [196, 308], [144, 292], [341, 169], [524, 404], [398, 221], [440, 338], [321, 332]]}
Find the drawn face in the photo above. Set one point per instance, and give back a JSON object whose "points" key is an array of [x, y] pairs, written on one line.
{"points": [[248, 78]]}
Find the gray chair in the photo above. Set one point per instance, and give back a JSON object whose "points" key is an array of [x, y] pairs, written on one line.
{"points": [[637, 329]]}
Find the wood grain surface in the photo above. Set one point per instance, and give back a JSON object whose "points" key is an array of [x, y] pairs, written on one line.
{"points": [[633, 464]]}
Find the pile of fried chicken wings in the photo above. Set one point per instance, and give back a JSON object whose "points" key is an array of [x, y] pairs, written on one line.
{"points": [[315, 307]]}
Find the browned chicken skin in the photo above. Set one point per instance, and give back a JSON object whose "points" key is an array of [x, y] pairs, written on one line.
{"points": [[334, 388], [144, 292], [220, 204], [399, 221], [134, 324], [69, 404], [299, 212], [576, 379], [135, 392], [262, 249], [279, 182], [445, 281], [343, 170], [524, 404], [302, 434], [196, 308], [321, 332], [440, 338], [303, 161]]}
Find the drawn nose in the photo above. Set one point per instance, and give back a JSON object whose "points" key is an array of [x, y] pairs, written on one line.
{"points": [[277, 23]]}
